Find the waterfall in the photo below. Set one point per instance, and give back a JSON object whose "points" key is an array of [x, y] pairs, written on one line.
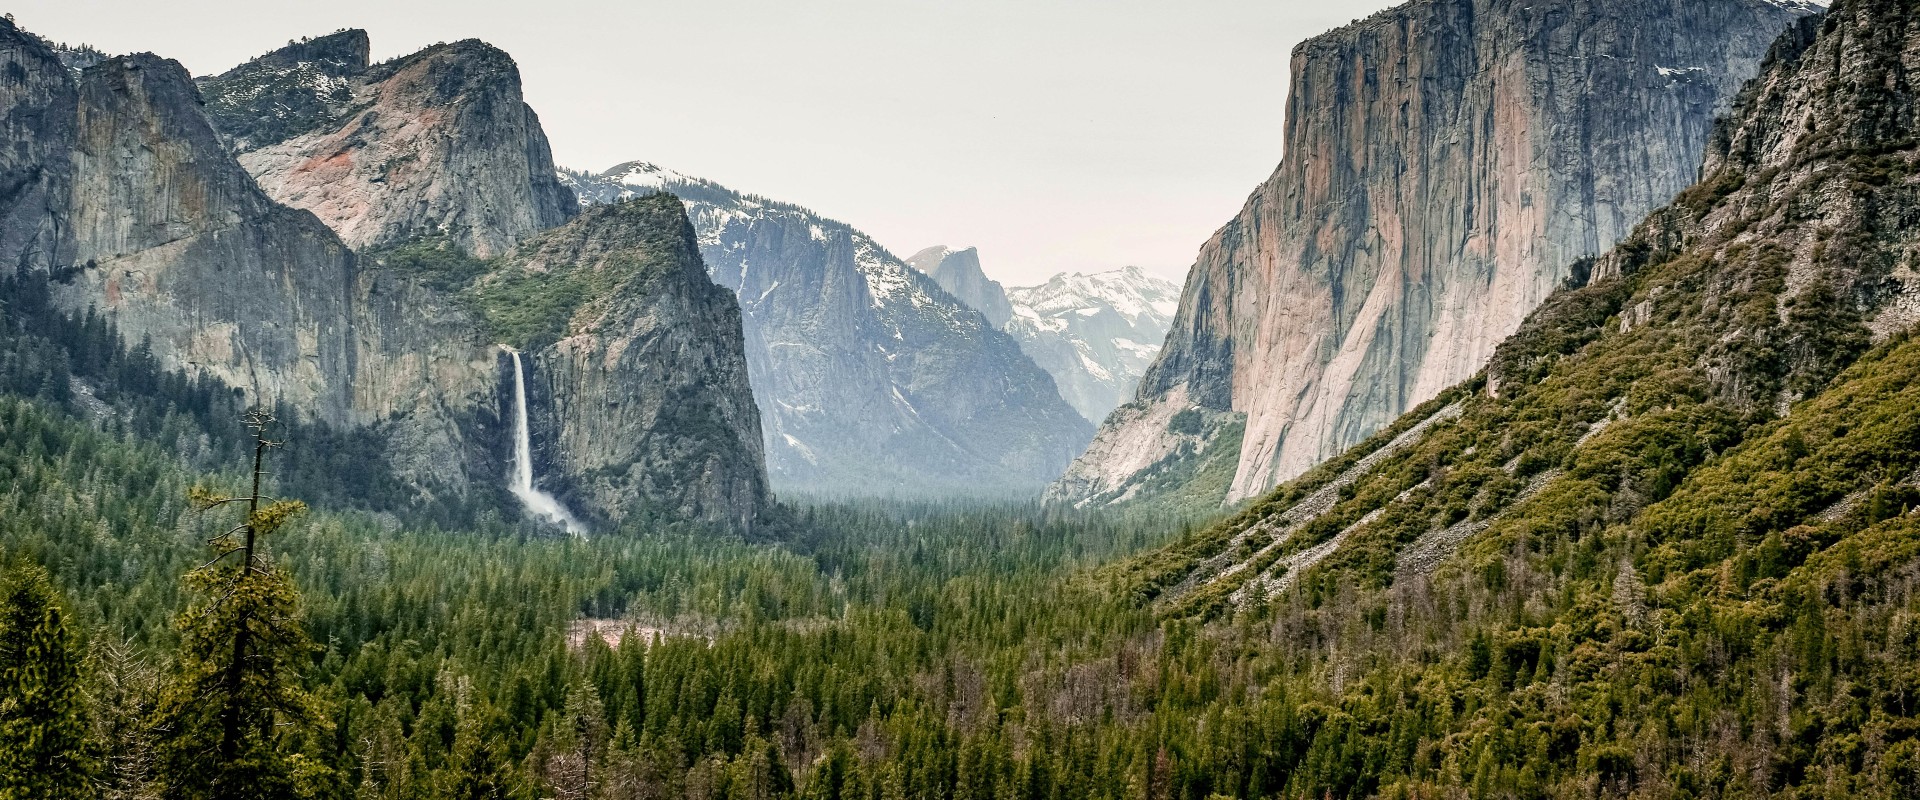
{"points": [[538, 502]]}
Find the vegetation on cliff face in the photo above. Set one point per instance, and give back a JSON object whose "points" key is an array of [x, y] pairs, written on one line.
{"points": [[288, 92], [532, 297], [1415, 220], [82, 364], [890, 652], [435, 260], [1667, 546]]}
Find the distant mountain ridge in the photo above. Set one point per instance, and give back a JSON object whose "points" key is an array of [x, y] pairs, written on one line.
{"points": [[871, 379], [1095, 334], [959, 272]]}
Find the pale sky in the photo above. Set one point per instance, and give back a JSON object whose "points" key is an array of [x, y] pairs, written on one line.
{"points": [[1054, 136]]}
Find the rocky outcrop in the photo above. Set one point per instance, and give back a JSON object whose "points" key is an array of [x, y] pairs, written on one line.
{"points": [[296, 89], [176, 242], [1739, 368], [80, 56], [959, 272], [1095, 334], [1448, 162], [169, 236], [643, 402], [437, 143], [126, 201], [870, 378], [36, 165]]}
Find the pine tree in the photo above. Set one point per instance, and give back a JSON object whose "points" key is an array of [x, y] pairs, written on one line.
{"points": [[474, 768], [573, 767], [236, 689], [42, 729], [122, 688]]}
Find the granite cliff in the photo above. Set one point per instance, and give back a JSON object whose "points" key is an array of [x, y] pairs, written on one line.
{"points": [[163, 231], [642, 392], [1712, 441], [122, 198], [436, 143], [959, 272], [872, 380], [1448, 163]]}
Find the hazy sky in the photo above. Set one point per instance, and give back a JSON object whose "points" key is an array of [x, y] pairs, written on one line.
{"points": [[1054, 136]]}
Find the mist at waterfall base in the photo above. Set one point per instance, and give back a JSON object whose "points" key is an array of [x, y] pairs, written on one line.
{"points": [[537, 501]]}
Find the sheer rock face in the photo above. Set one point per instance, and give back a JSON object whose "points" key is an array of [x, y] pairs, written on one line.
{"points": [[436, 142], [174, 240], [959, 272], [647, 394], [871, 380], [1816, 171], [1447, 163], [36, 169], [126, 200]]}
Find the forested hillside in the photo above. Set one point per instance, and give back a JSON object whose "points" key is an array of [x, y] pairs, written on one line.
{"points": [[1666, 545], [873, 652]]}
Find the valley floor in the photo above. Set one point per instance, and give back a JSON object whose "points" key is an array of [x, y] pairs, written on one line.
{"points": [[894, 650]]}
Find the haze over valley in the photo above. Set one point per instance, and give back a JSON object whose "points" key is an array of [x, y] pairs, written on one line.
{"points": [[1544, 423]]}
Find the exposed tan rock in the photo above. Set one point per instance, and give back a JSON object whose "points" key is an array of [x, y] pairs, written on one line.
{"points": [[438, 142], [152, 222], [1447, 163], [173, 240]]}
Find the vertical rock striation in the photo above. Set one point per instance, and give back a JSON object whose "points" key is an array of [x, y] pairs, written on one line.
{"points": [[36, 165], [959, 272], [1447, 164], [645, 389], [119, 193], [174, 240]]}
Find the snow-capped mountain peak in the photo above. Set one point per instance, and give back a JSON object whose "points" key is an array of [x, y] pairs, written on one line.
{"points": [[1130, 291], [1094, 333], [870, 379]]}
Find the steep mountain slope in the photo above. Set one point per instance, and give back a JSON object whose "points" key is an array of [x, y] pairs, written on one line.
{"points": [[1447, 162], [287, 92], [639, 367], [1095, 334], [175, 242], [36, 168], [126, 207], [1686, 489], [959, 272], [870, 378], [436, 143]]}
